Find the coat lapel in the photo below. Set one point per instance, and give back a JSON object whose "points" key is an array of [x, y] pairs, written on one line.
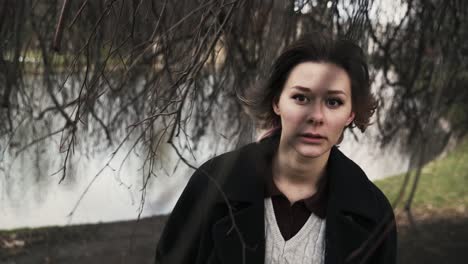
{"points": [[244, 244]]}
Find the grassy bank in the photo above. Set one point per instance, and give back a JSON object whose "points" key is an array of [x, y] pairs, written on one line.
{"points": [[443, 183]]}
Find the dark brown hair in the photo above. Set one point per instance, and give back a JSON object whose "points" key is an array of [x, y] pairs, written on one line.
{"points": [[313, 48]]}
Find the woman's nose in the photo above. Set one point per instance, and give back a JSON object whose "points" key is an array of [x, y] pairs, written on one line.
{"points": [[316, 114]]}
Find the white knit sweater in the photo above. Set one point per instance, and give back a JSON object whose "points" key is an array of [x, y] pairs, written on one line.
{"points": [[307, 246]]}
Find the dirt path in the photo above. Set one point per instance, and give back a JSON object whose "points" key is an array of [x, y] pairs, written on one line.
{"points": [[441, 237], [121, 242]]}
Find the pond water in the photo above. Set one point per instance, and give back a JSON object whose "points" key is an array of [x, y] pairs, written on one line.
{"points": [[116, 195]]}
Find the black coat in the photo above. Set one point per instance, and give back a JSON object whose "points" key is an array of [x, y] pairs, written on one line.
{"points": [[203, 230]]}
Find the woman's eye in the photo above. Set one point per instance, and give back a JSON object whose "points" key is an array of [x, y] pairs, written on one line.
{"points": [[300, 98], [333, 102]]}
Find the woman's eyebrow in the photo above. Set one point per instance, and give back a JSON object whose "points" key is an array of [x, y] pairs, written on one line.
{"points": [[336, 92], [305, 89]]}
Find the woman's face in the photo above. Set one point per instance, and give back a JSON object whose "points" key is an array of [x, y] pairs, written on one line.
{"points": [[314, 107]]}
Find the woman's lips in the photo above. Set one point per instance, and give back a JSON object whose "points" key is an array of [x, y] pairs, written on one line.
{"points": [[312, 135], [312, 138]]}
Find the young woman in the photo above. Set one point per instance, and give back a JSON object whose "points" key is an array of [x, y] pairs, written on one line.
{"points": [[292, 196]]}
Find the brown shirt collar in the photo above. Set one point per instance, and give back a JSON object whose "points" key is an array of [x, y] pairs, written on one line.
{"points": [[316, 203]]}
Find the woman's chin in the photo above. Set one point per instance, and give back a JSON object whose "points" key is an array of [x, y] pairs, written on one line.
{"points": [[312, 151]]}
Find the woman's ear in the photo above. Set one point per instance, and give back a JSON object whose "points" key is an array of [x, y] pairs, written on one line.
{"points": [[350, 118], [276, 109]]}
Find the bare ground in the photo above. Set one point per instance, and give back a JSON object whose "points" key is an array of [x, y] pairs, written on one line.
{"points": [[441, 236], [120, 242]]}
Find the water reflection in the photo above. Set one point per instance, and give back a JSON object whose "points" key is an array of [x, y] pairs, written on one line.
{"points": [[41, 201]]}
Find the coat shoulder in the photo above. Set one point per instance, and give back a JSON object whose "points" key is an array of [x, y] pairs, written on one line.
{"points": [[214, 169], [360, 193], [381, 200]]}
